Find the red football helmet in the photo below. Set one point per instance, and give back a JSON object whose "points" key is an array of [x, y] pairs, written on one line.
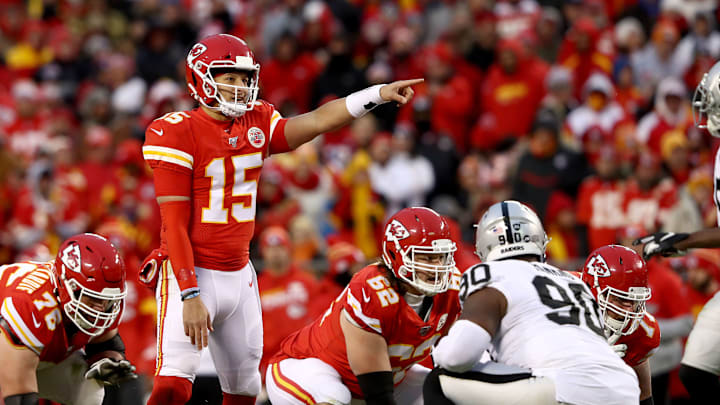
{"points": [[87, 267], [222, 51], [619, 272], [413, 231]]}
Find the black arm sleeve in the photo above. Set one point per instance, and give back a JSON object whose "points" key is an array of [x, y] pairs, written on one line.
{"points": [[377, 387], [115, 343], [647, 401], [30, 398]]}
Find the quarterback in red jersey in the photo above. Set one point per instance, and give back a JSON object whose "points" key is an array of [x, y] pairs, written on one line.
{"points": [[206, 164], [49, 311], [618, 277], [369, 342]]}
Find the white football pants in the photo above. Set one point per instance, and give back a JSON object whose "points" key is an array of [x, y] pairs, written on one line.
{"points": [[233, 301]]}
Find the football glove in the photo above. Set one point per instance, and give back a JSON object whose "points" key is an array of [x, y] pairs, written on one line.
{"points": [[111, 372], [150, 269], [661, 243], [618, 349]]}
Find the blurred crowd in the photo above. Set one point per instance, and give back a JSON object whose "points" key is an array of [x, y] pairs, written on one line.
{"points": [[579, 108]]}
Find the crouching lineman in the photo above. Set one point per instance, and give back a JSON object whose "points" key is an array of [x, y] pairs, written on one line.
{"points": [[618, 277], [50, 311], [368, 343], [540, 324]]}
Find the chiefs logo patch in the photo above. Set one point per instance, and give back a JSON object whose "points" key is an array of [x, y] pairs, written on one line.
{"points": [[71, 258], [597, 267], [256, 137], [396, 230]]}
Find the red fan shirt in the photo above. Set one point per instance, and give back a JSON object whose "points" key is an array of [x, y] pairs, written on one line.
{"points": [[600, 208]]}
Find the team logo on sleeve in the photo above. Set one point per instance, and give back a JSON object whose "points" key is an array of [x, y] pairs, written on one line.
{"points": [[597, 267], [397, 231], [441, 322], [71, 258], [256, 137]]}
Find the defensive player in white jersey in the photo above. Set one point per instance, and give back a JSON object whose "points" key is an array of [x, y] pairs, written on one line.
{"points": [[530, 316], [700, 366]]}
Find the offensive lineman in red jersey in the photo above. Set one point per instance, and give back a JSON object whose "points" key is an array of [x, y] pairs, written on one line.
{"points": [[49, 311], [618, 276], [369, 342], [206, 163]]}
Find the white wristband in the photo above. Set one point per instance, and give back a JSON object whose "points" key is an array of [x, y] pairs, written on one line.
{"points": [[361, 102]]}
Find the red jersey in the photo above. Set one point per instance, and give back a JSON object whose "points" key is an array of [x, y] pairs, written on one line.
{"points": [[649, 207], [599, 207], [224, 159], [371, 302], [642, 343], [31, 313]]}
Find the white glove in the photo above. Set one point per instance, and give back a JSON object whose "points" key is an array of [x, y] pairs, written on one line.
{"points": [[618, 349], [110, 372]]}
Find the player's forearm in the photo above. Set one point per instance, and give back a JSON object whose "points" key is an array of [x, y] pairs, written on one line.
{"points": [[642, 371], [462, 348], [377, 388], [306, 127], [176, 217], [706, 238], [331, 116]]}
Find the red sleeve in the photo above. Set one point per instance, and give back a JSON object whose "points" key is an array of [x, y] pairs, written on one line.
{"points": [[372, 303], [170, 182], [168, 143], [176, 219], [278, 143], [25, 323], [173, 180]]}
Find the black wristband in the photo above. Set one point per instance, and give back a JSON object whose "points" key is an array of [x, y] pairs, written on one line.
{"points": [[30, 398], [189, 293], [115, 343], [647, 401], [377, 387]]}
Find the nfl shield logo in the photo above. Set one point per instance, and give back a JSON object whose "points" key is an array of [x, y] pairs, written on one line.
{"points": [[233, 141], [424, 330]]}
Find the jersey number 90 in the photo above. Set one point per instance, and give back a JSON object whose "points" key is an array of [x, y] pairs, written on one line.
{"points": [[568, 302]]}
